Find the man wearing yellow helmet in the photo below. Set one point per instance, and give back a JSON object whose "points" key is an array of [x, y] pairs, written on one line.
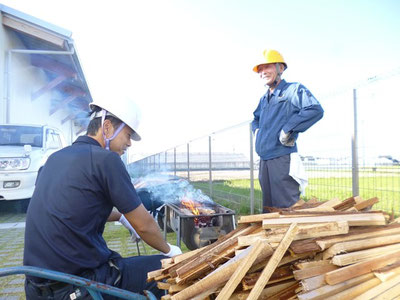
{"points": [[285, 110]]}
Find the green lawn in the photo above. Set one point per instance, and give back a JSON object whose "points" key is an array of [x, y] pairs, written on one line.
{"points": [[235, 194]]}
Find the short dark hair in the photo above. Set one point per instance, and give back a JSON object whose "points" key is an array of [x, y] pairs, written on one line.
{"points": [[95, 124]]}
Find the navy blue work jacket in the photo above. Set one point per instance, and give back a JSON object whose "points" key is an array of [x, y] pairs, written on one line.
{"points": [[75, 193], [290, 107]]}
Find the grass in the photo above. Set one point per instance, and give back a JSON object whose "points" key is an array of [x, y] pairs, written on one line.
{"points": [[235, 194]]}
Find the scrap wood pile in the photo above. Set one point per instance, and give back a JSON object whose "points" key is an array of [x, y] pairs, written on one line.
{"points": [[316, 250]]}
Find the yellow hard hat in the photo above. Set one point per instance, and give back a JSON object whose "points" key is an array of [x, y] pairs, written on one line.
{"points": [[271, 57]]}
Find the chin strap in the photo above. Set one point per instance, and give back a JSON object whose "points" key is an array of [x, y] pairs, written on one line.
{"points": [[108, 140]]}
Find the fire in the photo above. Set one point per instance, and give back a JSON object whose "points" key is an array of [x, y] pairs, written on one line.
{"points": [[190, 204]]}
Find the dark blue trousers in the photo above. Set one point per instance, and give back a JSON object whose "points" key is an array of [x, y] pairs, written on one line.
{"points": [[125, 273], [278, 188]]}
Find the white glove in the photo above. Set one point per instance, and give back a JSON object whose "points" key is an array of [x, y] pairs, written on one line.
{"points": [[173, 251], [134, 236], [285, 139]]}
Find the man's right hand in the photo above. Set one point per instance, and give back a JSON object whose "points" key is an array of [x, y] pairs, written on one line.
{"points": [[174, 251]]}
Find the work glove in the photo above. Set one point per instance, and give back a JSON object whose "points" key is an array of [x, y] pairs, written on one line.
{"points": [[134, 236], [286, 139], [173, 251]]}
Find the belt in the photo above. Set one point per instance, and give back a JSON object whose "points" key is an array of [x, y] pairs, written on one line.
{"points": [[48, 287]]}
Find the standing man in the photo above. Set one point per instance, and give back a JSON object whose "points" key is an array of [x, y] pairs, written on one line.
{"points": [[283, 112], [74, 197]]}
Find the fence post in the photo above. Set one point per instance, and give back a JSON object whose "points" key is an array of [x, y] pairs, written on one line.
{"points": [[210, 165], [251, 173], [355, 176], [174, 161], [188, 162]]}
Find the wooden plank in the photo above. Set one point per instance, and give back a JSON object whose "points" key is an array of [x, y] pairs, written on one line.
{"points": [[184, 256], [314, 231], [257, 218], [319, 209], [280, 274], [304, 246], [210, 254], [314, 271], [250, 239], [174, 288], [391, 293], [358, 234], [352, 219], [273, 262], [331, 203], [346, 273], [298, 203], [367, 203], [219, 276], [329, 290], [379, 289], [33, 30], [242, 269], [287, 259], [388, 272], [172, 270], [153, 274], [163, 285], [313, 283], [311, 264], [361, 244], [358, 256], [345, 204], [353, 292], [266, 293]]}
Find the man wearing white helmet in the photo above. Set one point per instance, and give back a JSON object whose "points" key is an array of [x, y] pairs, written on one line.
{"points": [[285, 110], [74, 197]]}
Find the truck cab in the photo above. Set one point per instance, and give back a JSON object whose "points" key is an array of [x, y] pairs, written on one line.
{"points": [[24, 149]]}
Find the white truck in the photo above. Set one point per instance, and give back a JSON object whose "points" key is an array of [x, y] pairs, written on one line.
{"points": [[24, 149]]}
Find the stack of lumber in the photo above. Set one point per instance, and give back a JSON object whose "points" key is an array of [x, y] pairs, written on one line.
{"points": [[315, 250]]}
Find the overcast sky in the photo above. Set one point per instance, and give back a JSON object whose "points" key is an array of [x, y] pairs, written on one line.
{"points": [[188, 64]]}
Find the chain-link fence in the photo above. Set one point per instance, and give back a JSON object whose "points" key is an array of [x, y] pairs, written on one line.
{"points": [[353, 150]]}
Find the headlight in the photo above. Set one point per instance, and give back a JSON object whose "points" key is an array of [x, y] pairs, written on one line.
{"points": [[21, 163]]}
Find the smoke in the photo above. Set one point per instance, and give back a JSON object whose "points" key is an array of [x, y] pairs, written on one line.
{"points": [[170, 189]]}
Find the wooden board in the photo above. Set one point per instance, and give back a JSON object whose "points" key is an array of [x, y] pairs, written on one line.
{"points": [[325, 291], [242, 269], [352, 219], [346, 273], [361, 244], [358, 256], [358, 234], [379, 289], [273, 262]]}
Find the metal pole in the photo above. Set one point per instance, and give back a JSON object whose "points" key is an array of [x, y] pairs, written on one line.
{"points": [[174, 161], [188, 163], [251, 173], [210, 165], [355, 175]]}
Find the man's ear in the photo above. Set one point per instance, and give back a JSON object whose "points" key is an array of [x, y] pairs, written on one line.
{"points": [[108, 128]]}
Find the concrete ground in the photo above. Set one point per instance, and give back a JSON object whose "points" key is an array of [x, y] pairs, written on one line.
{"points": [[12, 229]]}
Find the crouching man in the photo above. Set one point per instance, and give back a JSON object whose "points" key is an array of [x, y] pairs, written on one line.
{"points": [[74, 196]]}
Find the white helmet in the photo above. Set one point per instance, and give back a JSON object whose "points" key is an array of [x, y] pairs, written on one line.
{"points": [[123, 109]]}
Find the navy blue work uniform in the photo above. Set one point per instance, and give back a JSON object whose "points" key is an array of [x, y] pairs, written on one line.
{"points": [[292, 108], [75, 193]]}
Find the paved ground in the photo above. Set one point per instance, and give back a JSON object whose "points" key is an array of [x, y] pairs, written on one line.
{"points": [[12, 243]]}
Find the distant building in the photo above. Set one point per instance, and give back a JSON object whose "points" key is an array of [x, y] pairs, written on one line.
{"points": [[41, 78]]}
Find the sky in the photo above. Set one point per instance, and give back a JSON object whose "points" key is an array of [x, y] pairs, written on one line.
{"points": [[188, 64]]}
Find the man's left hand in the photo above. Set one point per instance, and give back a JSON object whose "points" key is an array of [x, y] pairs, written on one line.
{"points": [[285, 139]]}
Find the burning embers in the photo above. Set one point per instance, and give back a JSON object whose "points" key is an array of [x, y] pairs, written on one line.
{"points": [[192, 207]]}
